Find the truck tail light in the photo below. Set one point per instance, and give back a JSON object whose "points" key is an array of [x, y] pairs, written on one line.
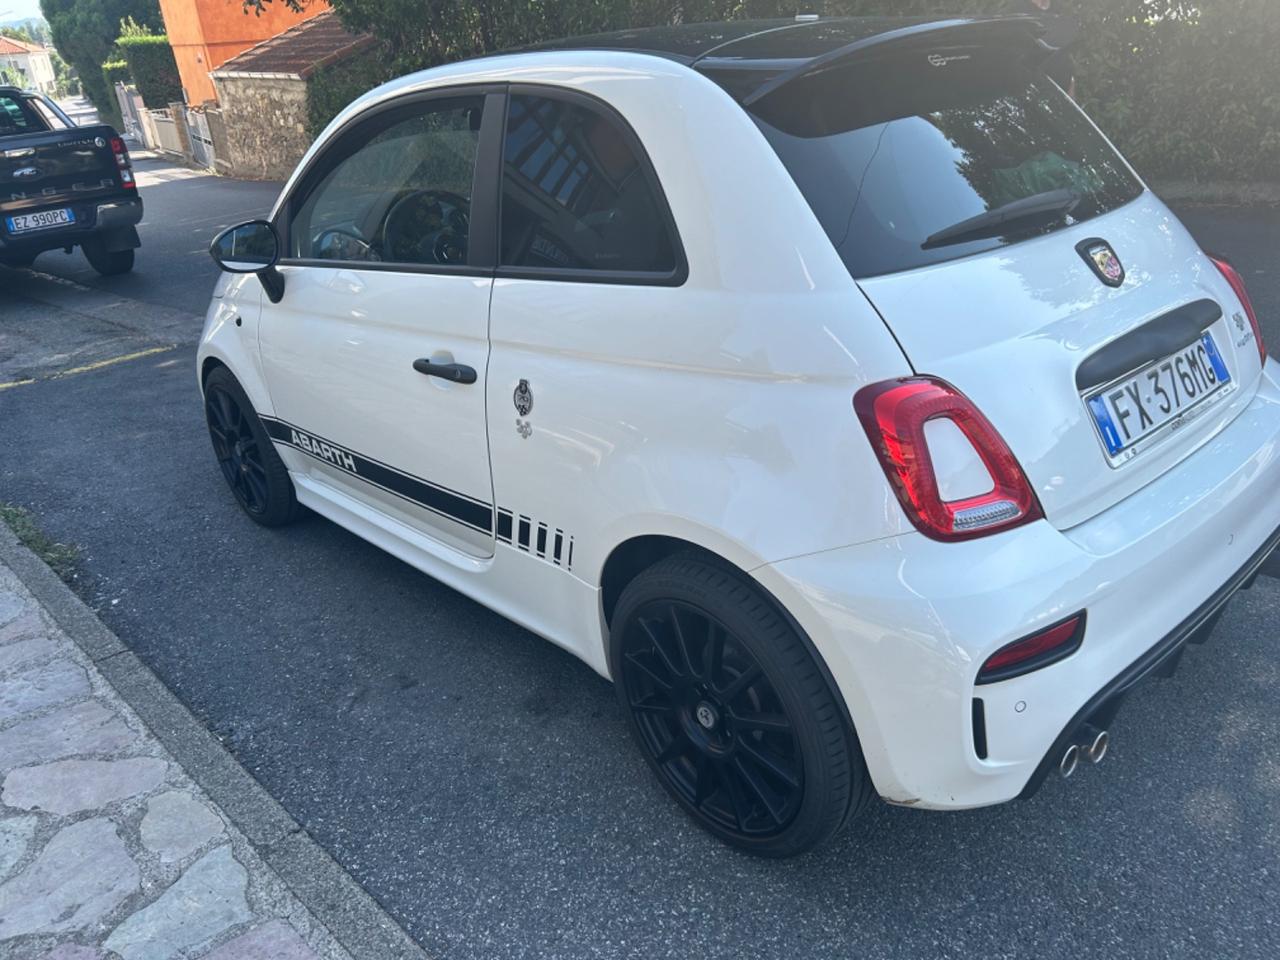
{"points": [[1237, 284], [1038, 650], [123, 164], [894, 414]]}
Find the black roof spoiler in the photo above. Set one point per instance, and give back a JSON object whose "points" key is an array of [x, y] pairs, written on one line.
{"points": [[967, 30]]}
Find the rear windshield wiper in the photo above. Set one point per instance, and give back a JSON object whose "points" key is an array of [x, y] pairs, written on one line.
{"points": [[1040, 208]]}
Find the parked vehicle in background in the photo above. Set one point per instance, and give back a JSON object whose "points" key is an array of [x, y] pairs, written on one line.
{"points": [[834, 387], [63, 186]]}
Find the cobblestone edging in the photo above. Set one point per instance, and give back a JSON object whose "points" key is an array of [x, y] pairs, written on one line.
{"points": [[109, 847]]}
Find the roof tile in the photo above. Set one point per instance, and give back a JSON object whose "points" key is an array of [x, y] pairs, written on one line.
{"points": [[298, 51], [9, 45]]}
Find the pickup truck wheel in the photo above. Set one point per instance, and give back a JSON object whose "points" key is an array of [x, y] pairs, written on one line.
{"points": [[109, 263], [253, 470], [731, 711]]}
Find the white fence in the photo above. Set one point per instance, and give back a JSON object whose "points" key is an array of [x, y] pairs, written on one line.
{"points": [[166, 128], [158, 130]]}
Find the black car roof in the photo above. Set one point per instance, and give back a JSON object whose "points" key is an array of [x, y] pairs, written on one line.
{"points": [[782, 39], [765, 54]]}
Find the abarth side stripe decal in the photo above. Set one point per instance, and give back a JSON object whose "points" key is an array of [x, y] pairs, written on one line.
{"points": [[455, 506]]}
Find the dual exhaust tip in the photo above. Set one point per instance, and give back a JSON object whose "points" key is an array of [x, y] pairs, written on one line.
{"points": [[1090, 744]]}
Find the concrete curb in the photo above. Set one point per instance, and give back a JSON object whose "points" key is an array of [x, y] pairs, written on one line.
{"points": [[322, 886], [1240, 193]]}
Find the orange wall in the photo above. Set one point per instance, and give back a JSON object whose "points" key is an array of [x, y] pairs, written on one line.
{"points": [[205, 34]]}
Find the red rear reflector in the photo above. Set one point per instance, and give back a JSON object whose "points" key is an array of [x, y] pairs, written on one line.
{"points": [[1038, 650], [1237, 284], [894, 414]]}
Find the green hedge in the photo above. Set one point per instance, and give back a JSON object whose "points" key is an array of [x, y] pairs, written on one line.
{"points": [[332, 88], [116, 71], [1189, 89], [154, 71]]}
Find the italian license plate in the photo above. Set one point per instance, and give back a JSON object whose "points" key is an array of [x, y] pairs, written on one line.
{"points": [[1159, 397], [26, 222]]}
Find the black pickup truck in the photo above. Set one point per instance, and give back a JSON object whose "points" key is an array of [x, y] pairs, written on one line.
{"points": [[63, 186]]}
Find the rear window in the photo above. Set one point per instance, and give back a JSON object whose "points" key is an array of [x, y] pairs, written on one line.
{"points": [[891, 152], [18, 116]]}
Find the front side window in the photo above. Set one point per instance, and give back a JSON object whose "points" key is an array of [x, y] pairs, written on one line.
{"points": [[575, 195], [402, 192]]}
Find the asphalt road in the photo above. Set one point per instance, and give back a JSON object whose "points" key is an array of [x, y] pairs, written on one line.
{"points": [[479, 782]]}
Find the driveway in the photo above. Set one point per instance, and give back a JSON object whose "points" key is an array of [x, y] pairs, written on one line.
{"points": [[480, 783]]}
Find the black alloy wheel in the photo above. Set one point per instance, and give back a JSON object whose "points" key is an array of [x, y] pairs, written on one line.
{"points": [[711, 719], [731, 711], [249, 463], [237, 450]]}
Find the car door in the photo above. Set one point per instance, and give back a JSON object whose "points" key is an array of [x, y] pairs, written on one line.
{"points": [[587, 315], [375, 355]]}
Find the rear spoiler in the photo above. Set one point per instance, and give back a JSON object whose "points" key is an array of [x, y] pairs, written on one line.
{"points": [[937, 33]]}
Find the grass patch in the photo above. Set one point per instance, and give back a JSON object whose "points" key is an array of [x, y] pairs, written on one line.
{"points": [[61, 557]]}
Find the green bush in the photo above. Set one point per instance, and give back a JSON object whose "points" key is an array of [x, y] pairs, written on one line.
{"points": [[1188, 90], [115, 71], [331, 88], [154, 71]]}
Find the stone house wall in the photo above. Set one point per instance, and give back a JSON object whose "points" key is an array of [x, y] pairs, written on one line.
{"points": [[265, 125]]}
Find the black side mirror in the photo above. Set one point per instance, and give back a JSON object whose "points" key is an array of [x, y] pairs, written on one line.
{"points": [[252, 247]]}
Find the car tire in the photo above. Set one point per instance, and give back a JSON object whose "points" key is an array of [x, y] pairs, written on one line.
{"points": [[732, 711], [18, 262], [257, 476], [109, 263]]}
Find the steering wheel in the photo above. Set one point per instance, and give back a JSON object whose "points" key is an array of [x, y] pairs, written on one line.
{"points": [[427, 226], [336, 243]]}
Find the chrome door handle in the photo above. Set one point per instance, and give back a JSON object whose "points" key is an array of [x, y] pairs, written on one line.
{"points": [[453, 372]]}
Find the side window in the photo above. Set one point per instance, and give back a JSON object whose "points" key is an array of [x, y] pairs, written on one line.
{"points": [[575, 195], [16, 116], [51, 119], [401, 193]]}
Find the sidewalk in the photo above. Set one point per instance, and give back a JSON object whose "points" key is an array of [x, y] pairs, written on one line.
{"points": [[108, 847]]}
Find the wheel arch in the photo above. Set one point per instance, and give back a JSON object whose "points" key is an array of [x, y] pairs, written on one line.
{"points": [[207, 366], [631, 557]]}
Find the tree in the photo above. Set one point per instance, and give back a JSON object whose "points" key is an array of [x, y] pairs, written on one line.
{"points": [[17, 33], [84, 31]]}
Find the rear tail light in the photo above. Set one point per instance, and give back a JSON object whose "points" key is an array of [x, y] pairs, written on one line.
{"points": [[1038, 650], [894, 414], [1237, 284], [123, 164]]}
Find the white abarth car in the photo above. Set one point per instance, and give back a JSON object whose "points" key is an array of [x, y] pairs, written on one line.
{"points": [[835, 388]]}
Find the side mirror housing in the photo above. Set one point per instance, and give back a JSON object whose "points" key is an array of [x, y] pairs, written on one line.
{"points": [[251, 247]]}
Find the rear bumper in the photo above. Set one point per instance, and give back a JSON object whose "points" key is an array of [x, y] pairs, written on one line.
{"points": [[1159, 660], [113, 217], [904, 624]]}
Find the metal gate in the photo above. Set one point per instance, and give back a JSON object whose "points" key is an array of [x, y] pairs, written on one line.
{"points": [[131, 110], [201, 141], [166, 131]]}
